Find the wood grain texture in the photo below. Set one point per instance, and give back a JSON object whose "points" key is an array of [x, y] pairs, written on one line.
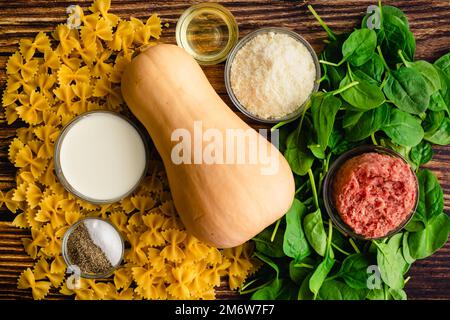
{"points": [[429, 20]]}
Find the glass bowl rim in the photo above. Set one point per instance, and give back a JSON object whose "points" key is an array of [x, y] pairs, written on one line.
{"points": [[328, 184], [241, 43], [230, 43], [65, 254], [57, 163]]}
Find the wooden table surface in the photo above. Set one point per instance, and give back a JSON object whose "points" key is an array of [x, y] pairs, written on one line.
{"points": [[429, 20]]}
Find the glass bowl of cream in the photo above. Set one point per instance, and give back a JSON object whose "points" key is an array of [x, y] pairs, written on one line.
{"points": [[101, 157], [271, 73]]}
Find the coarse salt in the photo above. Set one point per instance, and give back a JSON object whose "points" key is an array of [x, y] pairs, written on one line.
{"points": [[106, 238], [272, 75]]}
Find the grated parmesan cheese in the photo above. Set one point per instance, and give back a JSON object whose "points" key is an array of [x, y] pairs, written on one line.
{"points": [[272, 75]]}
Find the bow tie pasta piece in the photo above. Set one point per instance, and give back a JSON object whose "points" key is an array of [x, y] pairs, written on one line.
{"points": [[58, 265], [123, 37], [153, 236], [67, 39], [16, 64], [114, 294], [42, 271], [95, 30], [123, 278], [33, 195], [25, 159], [136, 254], [102, 6], [33, 245], [31, 110], [173, 251], [101, 67], [27, 280], [150, 284], [28, 47], [143, 33], [6, 199], [182, 279]]}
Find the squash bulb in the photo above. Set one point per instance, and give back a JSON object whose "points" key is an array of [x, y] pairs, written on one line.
{"points": [[224, 203]]}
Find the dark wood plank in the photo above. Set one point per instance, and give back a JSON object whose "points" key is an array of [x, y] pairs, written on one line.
{"points": [[429, 20]]}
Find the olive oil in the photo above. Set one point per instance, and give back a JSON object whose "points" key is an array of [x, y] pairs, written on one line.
{"points": [[208, 32]]}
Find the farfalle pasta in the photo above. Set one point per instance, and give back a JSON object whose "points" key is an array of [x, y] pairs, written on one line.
{"points": [[39, 289], [53, 78]]}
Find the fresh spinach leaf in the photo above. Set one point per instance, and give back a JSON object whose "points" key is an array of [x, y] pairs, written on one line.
{"points": [[394, 35], [441, 135], [338, 144], [433, 120], [323, 269], [324, 108], [337, 290], [407, 89], [364, 96], [445, 90], [421, 153], [315, 232], [428, 72], [431, 197], [268, 292], [365, 77], [403, 128], [278, 289], [398, 294], [267, 247], [394, 11], [367, 122], [443, 63], [298, 156], [391, 263], [354, 271], [377, 294], [299, 270], [437, 102], [304, 293], [425, 242], [373, 69], [273, 289], [388, 10], [295, 244], [405, 248], [320, 274], [359, 46]]}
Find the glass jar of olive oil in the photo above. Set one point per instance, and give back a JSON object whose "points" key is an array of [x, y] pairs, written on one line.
{"points": [[208, 32]]}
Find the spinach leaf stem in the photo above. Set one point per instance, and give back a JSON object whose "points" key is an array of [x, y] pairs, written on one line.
{"points": [[275, 230], [313, 187], [323, 24], [348, 86], [353, 244]]}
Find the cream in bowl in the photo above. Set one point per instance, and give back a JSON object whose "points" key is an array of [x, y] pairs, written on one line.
{"points": [[271, 74], [100, 157]]}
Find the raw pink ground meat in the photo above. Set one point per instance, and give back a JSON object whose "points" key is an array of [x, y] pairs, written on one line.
{"points": [[374, 193]]}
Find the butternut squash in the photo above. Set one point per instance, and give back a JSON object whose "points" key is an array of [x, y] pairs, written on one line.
{"points": [[221, 204]]}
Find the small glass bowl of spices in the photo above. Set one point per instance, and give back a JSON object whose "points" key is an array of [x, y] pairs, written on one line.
{"points": [[271, 73], [208, 32], [93, 247], [370, 192]]}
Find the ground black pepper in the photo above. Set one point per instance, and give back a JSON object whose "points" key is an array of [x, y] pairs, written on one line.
{"points": [[85, 254]]}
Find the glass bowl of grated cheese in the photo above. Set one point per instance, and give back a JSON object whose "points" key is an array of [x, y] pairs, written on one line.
{"points": [[271, 73]]}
